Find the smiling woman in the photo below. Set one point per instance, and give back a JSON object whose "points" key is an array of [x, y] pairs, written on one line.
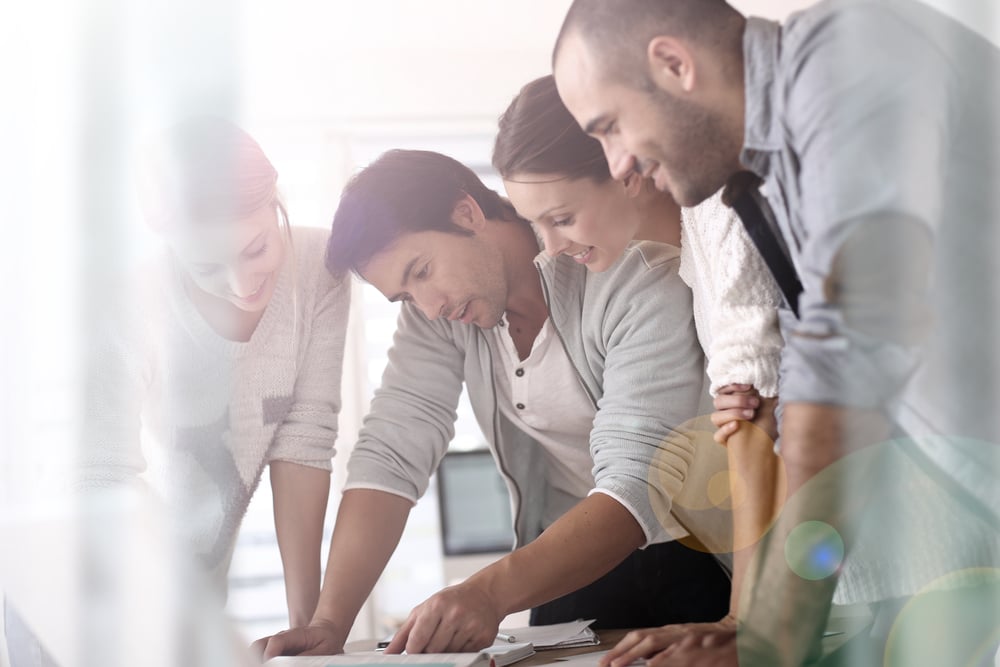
{"points": [[210, 193], [227, 360]]}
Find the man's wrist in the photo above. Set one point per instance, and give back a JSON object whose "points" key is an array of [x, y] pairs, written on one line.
{"points": [[489, 583]]}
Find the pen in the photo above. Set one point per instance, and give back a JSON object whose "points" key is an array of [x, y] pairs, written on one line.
{"points": [[506, 638]]}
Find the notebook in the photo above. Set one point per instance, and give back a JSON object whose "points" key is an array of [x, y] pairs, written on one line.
{"points": [[500, 654], [506, 653], [371, 659]]}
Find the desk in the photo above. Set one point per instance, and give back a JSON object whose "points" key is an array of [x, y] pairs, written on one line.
{"points": [[850, 623], [608, 640]]}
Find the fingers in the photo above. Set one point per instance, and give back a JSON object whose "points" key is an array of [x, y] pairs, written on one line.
{"points": [[439, 636], [723, 433], [426, 632], [735, 388], [641, 644], [459, 618], [297, 641], [743, 401], [622, 647], [402, 636], [457, 631], [273, 646], [721, 417], [258, 646]]}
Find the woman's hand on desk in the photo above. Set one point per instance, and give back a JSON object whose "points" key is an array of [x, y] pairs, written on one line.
{"points": [[317, 638], [460, 618], [648, 642]]}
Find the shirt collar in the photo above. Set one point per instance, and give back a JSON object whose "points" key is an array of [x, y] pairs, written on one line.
{"points": [[761, 47]]}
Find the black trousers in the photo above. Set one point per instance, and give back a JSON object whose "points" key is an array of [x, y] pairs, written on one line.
{"points": [[664, 583]]}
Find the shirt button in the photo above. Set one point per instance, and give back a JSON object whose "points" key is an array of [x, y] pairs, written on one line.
{"points": [[519, 372], [520, 406]]}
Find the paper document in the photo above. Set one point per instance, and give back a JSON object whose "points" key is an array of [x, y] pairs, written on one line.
{"points": [[558, 635], [371, 659], [504, 653]]}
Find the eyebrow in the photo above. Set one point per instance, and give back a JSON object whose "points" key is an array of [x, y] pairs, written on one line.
{"points": [[406, 278]]}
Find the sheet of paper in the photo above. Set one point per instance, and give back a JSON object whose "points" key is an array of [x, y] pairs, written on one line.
{"points": [[546, 636], [372, 659]]}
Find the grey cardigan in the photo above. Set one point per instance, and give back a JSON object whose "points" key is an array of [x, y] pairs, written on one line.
{"points": [[629, 333]]}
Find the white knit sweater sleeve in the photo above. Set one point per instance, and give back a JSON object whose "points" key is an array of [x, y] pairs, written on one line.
{"points": [[309, 431], [735, 298], [119, 373]]}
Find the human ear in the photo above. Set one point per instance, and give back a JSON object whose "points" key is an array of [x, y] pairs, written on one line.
{"points": [[671, 64], [632, 183], [467, 214]]}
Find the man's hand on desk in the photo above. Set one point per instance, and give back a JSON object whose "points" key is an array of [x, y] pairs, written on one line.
{"points": [[317, 638], [460, 618], [709, 649], [658, 644]]}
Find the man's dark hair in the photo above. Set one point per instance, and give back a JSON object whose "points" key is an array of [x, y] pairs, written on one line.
{"points": [[403, 192], [538, 135], [620, 29]]}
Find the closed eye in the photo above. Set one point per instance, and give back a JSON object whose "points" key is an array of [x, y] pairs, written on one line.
{"points": [[257, 253], [422, 273], [563, 222]]}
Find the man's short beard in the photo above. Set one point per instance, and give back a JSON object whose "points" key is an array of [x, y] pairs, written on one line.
{"points": [[699, 133]]}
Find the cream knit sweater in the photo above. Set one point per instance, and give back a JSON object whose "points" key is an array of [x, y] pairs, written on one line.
{"points": [[735, 298], [196, 417]]}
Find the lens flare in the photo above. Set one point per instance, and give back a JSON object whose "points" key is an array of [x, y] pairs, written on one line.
{"points": [[814, 550]]}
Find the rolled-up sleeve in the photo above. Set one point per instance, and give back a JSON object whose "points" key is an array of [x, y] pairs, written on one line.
{"points": [[870, 154], [654, 382], [412, 417], [309, 431]]}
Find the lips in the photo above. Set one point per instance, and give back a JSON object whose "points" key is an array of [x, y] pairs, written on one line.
{"points": [[460, 312], [257, 293], [584, 255]]}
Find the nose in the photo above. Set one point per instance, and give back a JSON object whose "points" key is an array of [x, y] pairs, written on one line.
{"points": [[553, 240], [430, 302], [620, 162]]}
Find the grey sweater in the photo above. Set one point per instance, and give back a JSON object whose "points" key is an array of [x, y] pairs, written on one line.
{"points": [[630, 335]]}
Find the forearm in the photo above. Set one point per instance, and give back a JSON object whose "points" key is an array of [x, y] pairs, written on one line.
{"points": [[369, 525], [583, 545], [300, 497], [823, 486], [757, 487]]}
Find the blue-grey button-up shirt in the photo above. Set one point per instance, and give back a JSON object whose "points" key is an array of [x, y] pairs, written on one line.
{"points": [[875, 125]]}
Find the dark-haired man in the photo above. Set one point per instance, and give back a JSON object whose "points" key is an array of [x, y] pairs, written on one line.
{"points": [[873, 127], [581, 384]]}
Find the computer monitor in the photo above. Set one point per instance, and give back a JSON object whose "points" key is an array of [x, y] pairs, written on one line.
{"points": [[474, 505]]}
